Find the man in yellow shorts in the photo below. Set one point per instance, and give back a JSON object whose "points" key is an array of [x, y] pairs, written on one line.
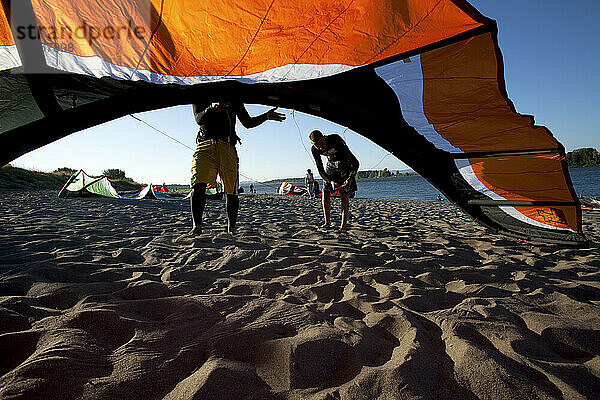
{"points": [[215, 154]]}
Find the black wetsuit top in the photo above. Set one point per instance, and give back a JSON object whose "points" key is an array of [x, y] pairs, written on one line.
{"points": [[221, 125], [341, 163]]}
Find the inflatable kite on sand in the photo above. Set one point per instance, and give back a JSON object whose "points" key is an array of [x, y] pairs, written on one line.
{"points": [[421, 78], [81, 184]]}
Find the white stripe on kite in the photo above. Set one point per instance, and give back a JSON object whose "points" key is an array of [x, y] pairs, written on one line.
{"points": [[97, 67], [406, 80], [9, 57], [465, 169]]}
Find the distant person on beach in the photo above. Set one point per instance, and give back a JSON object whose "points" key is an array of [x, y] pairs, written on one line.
{"points": [[339, 173], [251, 188], [309, 183], [216, 154]]}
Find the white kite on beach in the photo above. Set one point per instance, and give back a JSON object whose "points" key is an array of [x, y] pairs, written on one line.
{"points": [[82, 184]]}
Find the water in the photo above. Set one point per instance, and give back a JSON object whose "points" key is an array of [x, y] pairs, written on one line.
{"points": [[412, 187], [586, 181]]}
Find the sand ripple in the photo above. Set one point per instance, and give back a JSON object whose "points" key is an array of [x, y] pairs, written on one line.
{"points": [[104, 299]]}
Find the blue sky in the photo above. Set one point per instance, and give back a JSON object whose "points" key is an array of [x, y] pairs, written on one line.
{"points": [[551, 61]]}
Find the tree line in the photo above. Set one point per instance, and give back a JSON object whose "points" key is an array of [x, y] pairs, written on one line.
{"points": [[111, 173], [381, 173], [586, 157]]}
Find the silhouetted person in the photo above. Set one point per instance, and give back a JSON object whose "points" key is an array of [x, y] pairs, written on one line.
{"points": [[216, 154], [339, 173]]}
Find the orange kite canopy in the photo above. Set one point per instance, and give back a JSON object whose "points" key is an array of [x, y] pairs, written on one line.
{"points": [[212, 40], [422, 78]]}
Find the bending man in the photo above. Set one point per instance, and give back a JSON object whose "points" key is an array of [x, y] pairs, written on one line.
{"points": [[216, 154], [339, 173]]}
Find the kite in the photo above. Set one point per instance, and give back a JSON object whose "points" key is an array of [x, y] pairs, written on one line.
{"points": [[423, 79]]}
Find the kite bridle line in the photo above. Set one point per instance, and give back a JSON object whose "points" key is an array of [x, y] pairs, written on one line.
{"points": [[188, 147], [159, 131], [345, 139], [300, 134], [380, 161]]}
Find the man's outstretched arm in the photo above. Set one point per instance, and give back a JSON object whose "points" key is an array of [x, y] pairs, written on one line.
{"points": [[251, 122]]}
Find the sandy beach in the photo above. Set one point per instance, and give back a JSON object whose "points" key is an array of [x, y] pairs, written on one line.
{"points": [[109, 299]]}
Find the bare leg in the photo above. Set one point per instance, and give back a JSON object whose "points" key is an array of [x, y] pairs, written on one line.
{"points": [[197, 203], [345, 210], [326, 209], [233, 205]]}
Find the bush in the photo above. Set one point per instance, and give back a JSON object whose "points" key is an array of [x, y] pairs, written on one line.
{"points": [[114, 173], [65, 171]]}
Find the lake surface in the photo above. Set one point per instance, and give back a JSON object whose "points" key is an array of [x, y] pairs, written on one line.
{"points": [[586, 181]]}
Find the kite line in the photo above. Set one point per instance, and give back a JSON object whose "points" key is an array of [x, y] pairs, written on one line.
{"points": [[188, 147]]}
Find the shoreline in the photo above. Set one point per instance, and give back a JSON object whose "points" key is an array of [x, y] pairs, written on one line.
{"points": [[294, 180]]}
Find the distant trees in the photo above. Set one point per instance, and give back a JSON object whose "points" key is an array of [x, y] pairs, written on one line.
{"points": [[382, 173], [65, 171], [114, 173], [586, 157]]}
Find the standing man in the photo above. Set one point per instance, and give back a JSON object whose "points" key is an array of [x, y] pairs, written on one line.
{"points": [[309, 183], [216, 154], [339, 173]]}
